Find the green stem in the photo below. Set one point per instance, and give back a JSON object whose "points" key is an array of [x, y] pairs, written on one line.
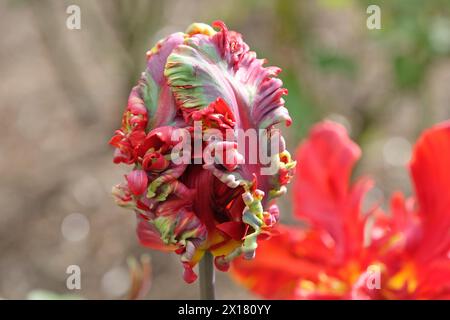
{"points": [[207, 277]]}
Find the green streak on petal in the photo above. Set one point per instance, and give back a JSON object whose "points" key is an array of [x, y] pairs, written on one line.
{"points": [[165, 228], [150, 93]]}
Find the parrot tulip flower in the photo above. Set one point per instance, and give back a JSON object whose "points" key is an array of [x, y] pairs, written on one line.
{"points": [[409, 251], [196, 83]]}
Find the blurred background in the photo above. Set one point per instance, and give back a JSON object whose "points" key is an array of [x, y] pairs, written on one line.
{"points": [[63, 92]]}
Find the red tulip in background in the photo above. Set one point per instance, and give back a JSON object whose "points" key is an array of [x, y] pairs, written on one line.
{"points": [[406, 253], [210, 77]]}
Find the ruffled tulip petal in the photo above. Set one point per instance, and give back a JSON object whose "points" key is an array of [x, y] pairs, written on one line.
{"points": [[320, 262], [219, 72], [280, 265], [322, 191], [430, 170], [414, 245]]}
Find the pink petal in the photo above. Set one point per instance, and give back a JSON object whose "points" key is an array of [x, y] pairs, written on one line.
{"points": [[137, 181]]}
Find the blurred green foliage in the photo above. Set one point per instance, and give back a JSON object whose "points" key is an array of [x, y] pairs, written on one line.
{"points": [[40, 294], [416, 32], [333, 62], [303, 112]]}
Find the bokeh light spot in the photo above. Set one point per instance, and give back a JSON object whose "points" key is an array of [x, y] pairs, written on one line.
{"points": [[397, 151], [75, 227], [115, 282]]}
